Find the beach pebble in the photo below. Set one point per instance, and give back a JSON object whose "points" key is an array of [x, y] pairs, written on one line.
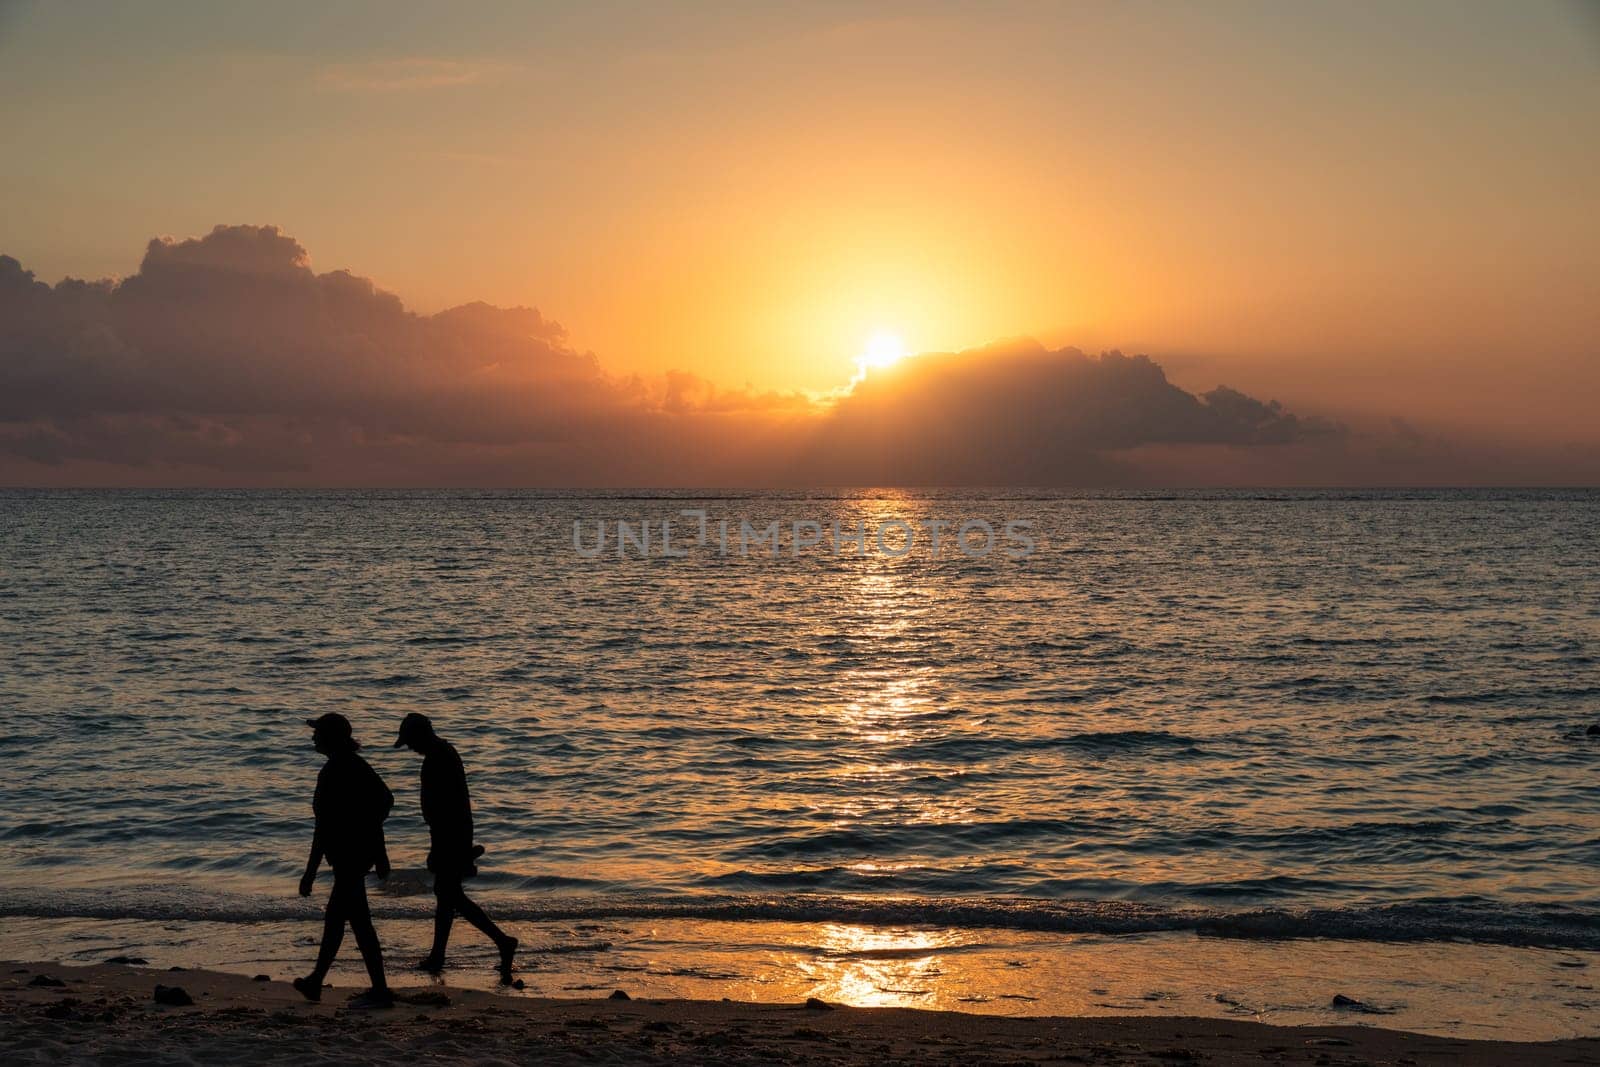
{"points": [[262, 978], [174, 996], [619, 994], [817, 1004], [46, 981], [65, 1008]]}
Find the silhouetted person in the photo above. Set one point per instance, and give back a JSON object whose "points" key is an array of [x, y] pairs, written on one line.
{"points": [[447, 809], [351, 803]]}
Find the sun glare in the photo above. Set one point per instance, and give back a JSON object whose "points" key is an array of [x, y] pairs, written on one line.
{"points": [[884, 349]]}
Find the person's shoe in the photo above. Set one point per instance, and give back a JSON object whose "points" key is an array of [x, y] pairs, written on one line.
{"points": [[431, 964], [508, 952], [372, 998], [309, 988]]}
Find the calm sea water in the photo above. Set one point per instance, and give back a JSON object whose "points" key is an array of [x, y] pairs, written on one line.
{"points": [[1352, 714]]}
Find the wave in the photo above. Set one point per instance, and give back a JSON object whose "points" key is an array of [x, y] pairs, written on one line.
{"points": [[1097, 742], [1483, 922]]}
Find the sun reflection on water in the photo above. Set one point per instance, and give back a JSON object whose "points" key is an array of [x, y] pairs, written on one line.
{"points": [[885, 703], [870, 967]]}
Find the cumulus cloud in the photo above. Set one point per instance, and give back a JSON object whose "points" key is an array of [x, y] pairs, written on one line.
{"points": [[1019, 413], [226, 359], [229, 352]]}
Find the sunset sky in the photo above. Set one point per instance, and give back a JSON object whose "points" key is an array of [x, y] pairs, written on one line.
{"points": [[1369, 212]]}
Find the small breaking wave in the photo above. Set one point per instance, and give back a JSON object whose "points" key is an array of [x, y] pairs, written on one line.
{"points": [[1522, 925]]}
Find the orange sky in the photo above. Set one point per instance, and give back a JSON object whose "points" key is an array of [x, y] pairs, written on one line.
{"points": [[1359, 209]]}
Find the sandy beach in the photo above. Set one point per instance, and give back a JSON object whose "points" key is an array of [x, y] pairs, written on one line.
{"points": [[107, 1013]]}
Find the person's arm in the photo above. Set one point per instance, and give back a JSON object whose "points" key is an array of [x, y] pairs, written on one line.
{"points": [[380, 865], [385, 798], [460, 799], [428, 791], [313, 861]]}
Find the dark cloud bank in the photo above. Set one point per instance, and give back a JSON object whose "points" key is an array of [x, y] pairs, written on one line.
{"points": [[227, 361]]}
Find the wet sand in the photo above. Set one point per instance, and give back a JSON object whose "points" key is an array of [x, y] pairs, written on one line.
{"points": [[1480, 992], [107, 1014]]}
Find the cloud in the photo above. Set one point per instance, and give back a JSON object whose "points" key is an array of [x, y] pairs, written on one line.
{"points": [[1018, 412], [229, 353], [227, 359]]}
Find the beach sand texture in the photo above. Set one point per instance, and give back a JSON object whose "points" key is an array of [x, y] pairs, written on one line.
{"points": [[107, 1014]]}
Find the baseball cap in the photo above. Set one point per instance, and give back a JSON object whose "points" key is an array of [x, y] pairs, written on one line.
{"points": [[415, 725], [335, 727]]}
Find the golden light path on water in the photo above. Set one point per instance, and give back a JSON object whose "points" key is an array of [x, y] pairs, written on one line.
{"points": [[871, 966], [887, 707]]}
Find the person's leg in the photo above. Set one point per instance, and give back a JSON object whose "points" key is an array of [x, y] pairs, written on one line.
{"points": [[502, 940], [447, 896], [360, 913], [474, 915], [333, 920]]}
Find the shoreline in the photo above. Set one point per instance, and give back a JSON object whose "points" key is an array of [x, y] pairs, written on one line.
{"points": [[1446, 990], [107, 1011]]}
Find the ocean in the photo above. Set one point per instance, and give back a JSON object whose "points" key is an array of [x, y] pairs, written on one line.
{"points": [[1203, 724]]}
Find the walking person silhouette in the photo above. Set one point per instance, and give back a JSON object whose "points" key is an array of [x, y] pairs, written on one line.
{"points": [[447, 809], [351, 803]]}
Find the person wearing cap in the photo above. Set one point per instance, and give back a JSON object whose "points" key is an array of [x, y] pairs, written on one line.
{"points": [[350, 804], [447, 809]]}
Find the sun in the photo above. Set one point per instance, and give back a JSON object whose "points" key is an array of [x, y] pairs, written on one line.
{"points": [[883, 349]]}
